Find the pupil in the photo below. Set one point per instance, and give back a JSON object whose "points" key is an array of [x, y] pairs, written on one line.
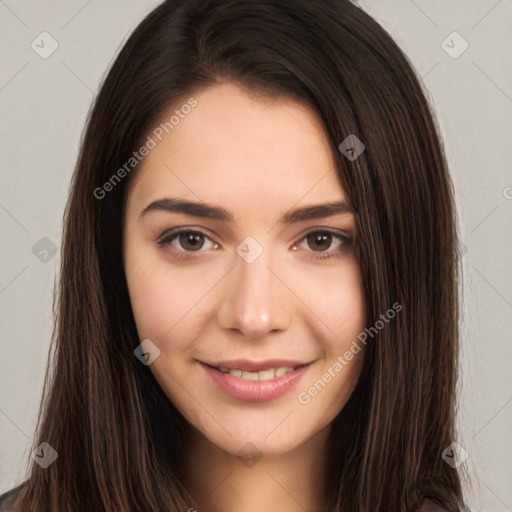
{"points": [[321, 241], [191, 241]]}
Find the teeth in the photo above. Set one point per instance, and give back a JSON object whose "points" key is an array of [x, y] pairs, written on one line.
{"points": [[250, 376], [266, 374], [281, 371], [270, 373]]}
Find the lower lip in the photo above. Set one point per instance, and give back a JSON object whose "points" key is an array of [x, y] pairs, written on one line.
{"points": [[253, 390]]}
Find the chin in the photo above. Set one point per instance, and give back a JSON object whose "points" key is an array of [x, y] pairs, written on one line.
{"points": [[261, 438]]}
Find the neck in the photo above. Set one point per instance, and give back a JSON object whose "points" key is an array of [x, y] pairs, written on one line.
{"points": [[220, 482]]}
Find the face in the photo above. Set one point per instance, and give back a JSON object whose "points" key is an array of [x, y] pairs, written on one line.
{"points": [[249, 293]]}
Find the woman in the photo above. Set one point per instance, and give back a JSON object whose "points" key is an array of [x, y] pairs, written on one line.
{"points": [[257, 306]]}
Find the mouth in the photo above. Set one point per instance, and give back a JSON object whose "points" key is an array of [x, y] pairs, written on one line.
{"points": [[256, 381], [259, 375]]}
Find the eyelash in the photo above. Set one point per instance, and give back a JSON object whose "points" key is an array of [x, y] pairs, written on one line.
{"points": [[168, 237]]}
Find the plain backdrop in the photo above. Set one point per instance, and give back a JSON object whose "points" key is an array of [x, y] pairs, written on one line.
{"points": [[44, 103]]}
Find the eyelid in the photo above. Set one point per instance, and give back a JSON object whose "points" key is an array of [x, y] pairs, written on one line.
{"points": [[171, 233], [344, 238], [324, 229]]}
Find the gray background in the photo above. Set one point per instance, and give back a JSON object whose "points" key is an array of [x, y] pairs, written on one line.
{"points": [[44, 104]]}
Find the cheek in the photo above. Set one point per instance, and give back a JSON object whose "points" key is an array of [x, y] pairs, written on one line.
{"points": [[167, 302], [349, 322], [337, 300]]}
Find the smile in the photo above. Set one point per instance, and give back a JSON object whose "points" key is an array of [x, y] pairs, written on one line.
{"points": [[270, 373], [256, 382]]}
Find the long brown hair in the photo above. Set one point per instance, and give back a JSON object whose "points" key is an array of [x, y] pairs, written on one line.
{"points": [[117, 435]]}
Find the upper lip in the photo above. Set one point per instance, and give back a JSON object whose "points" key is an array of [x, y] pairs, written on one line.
{"points": [[248, 365]]}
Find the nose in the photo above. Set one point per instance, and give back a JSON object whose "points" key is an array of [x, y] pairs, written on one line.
{"points": [[254, 301]]}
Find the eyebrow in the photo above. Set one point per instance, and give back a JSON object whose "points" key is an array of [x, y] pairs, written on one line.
{"points": [[218, 213]]}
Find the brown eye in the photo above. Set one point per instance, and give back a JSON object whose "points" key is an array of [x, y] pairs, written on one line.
{"points": [[319, 241], [187, 241], [191, 241], [324, 244]]}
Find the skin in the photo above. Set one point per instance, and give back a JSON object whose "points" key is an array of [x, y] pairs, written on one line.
{"points": [[257, 158]]}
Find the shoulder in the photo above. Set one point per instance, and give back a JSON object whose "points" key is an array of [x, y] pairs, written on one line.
{"points": [[4, 498], [432, 504]]}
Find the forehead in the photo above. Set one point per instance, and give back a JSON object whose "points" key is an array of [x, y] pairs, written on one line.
{"points": [[234, 147]]}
